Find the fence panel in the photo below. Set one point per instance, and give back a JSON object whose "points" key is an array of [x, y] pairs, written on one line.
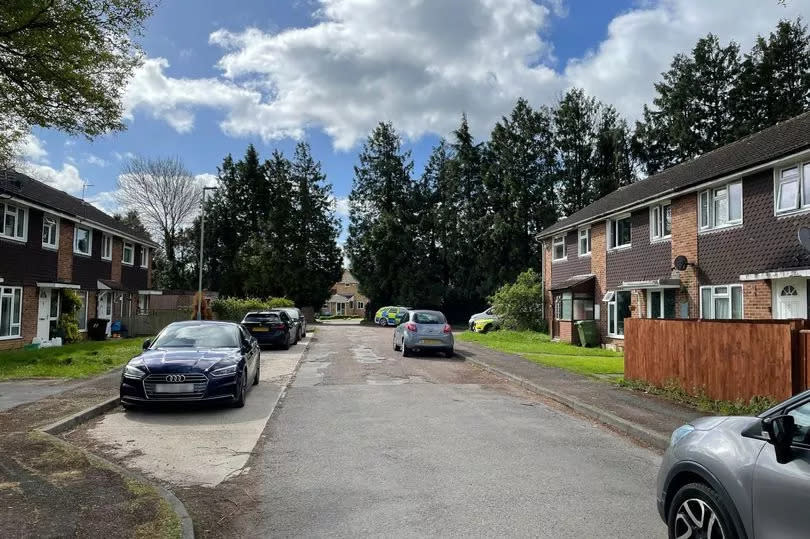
{"points": [[149, 324], [727, 360]]}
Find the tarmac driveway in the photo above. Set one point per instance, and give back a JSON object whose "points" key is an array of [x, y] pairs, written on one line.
{"points": [[196, 445]]}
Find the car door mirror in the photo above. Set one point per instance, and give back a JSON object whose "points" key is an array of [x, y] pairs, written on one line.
{"points": [[780, 431], [147, 343]]}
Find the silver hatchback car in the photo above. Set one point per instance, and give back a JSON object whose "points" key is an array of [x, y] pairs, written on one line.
{"points": [[424, 331], [739, 477]]}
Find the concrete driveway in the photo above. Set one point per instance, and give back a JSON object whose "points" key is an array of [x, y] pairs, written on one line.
{"points": [[198, 445]]}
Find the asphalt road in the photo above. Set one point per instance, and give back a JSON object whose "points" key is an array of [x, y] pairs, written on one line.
{"points": [[372, 444]]}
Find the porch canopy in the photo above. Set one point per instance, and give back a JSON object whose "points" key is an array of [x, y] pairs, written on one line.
{"points": [[652, 283], [577, 281]]}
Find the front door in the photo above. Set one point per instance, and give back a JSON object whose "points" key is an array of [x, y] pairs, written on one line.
{"points": [[789, 298], [44, 314], [105, 308]]}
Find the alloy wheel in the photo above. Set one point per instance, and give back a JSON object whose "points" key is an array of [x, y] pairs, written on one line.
{"points": [[696, 519]]}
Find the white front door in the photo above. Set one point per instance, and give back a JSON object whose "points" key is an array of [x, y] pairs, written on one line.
{"points": [[789, 298], [44, 314], [105, 308]]}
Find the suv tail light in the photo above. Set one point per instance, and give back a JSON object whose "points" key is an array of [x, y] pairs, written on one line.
{"points": [[410, 326], [279, 326], [447, 328]]}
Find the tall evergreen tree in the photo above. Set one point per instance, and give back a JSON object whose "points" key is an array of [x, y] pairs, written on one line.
{"points": [[612, 165], [575, 122]]}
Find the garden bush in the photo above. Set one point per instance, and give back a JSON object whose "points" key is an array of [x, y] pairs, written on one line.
{"points": [[520, 304], [68, 324], [235, 309]]}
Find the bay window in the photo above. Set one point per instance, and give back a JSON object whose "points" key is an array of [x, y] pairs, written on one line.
{"points": [[618, 309], [584, 241], [50, 232], [721, 302], [12, 222], [792, 189], [619, 232], [573, 306], [558, 248], [10, 312], [721, 206], [661, 221]]}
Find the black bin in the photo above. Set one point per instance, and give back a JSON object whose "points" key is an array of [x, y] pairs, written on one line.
{"points": [[97, 329]]}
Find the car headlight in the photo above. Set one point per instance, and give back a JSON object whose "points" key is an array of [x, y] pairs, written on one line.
{"points": [[679, 433], [134, 371], [230, 370]]}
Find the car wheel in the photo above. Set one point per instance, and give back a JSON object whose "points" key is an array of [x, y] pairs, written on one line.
{"points": [[239, 399], [381, 322], [286, 345], [472, 326], [258, 371], [486, 328], [396, 346], [449, 353], [406, 352], [698, 511]]}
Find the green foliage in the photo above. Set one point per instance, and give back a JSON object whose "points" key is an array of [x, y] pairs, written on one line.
{"points": [[520, 304], [84, 358], [68, 328], [65, 65], [71, 302], [697, 398], [235, 309]]}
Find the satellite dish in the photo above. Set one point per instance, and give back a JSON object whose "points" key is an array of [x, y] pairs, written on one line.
{"points": [[681, 262], [804, 237]]}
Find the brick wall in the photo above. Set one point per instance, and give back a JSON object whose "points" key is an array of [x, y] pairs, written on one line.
{"points": [[757, 299], [598, 269], [685, 242], [91, 305], [64, 261], [568, 333], [638, 304], [30, 310], [117, 253]]}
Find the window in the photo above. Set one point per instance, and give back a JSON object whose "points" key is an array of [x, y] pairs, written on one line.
{"points": [[721, 302], [13, 222], [82, 240], [50, 232], [801, 419], [144, 256], [143, 304], [82, 314], [558, 248], [128, 254], [563, 306], [661, 221], [584, 241], [569, 306], [721, 206], [619, 232], [361, 305], [10, 312], [661, 303], [618, 310], [792, 188], [106, 247]]}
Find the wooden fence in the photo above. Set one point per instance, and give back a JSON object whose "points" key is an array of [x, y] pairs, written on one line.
{"points": [[150, 324], [726, 359]]}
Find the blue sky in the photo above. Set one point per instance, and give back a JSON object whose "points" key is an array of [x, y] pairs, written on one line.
{"points": [[217, 78]]}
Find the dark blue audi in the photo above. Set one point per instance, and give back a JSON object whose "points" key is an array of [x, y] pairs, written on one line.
{"points": [[193, 361]]}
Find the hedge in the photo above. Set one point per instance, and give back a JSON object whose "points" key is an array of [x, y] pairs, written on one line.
{"points": [[235, 309]]}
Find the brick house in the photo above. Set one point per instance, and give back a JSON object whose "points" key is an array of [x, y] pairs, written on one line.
{"points": [[714, 237], [346, 299], [51, 241]]}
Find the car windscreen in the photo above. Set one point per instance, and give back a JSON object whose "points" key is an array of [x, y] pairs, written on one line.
{"points": [[198, 336], [428, 318], [263, 318], [292, 312]]}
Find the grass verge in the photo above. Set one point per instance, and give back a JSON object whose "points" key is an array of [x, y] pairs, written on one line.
{"points": [[76, 360], [699, 400], [539, 348]]}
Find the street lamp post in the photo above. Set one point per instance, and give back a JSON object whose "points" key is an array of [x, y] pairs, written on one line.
{"points": [[202, 237]]}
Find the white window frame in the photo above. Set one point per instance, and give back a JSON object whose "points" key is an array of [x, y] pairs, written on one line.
{"points": [[83, 295], [802, 193], [144, 257], [53, 230], [612, 306], [15, 233], [587, 238], [728, 294], [361, 305], [106, 247], [555, 242], [661, 302], [124, 254], [89, 240], [658, 220], [611, 229], [9, 291], [143, 303], [711, 196]]}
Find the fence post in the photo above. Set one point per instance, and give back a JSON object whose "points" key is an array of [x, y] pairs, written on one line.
{"points": [[802, 381]]}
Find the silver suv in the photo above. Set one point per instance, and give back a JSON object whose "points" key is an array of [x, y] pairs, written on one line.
{"points": [[746, 477]]}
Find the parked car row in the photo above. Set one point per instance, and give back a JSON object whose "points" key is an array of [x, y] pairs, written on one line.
{"points": [[204, 360]]}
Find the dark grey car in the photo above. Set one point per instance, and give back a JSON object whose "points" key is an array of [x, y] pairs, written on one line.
{"points": [[300, 322], [747, 477]]}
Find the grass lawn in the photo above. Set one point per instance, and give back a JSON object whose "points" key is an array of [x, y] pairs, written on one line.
{"points": [[538, 347], [70, 361]]}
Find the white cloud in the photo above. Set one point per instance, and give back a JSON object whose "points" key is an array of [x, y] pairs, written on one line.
{"points": [[341, 205], [65, 179], [95, 160], [362, 62], [123, 155], [31, 148], [105, 201], [207, 179]]}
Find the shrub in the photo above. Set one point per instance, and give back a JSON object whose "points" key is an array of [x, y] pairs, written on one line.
{"points": [[68, 324], [235, 309], [520, 304]]}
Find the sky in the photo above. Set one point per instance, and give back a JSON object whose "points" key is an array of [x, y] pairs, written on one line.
{"points": [[218, 76]]}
